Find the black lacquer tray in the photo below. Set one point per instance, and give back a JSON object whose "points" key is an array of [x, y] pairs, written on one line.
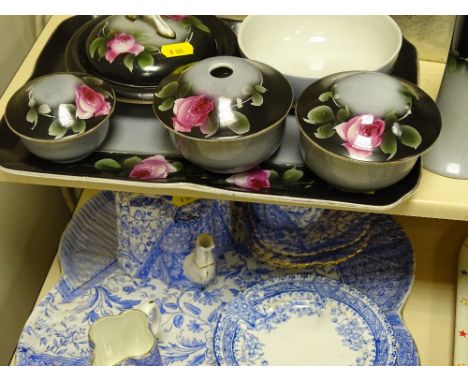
{"points": [[135, 135]]}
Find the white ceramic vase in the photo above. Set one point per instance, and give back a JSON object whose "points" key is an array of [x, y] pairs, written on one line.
{"points": [[200, 265]]}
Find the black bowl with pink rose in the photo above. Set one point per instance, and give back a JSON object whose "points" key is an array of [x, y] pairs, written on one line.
{"points": [[133, 53], [362, 131]]}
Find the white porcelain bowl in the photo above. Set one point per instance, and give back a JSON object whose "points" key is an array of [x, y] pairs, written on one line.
{"points": [[306, 48]]}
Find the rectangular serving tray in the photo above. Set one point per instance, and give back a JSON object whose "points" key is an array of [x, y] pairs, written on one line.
{"points": [[134, 131]]}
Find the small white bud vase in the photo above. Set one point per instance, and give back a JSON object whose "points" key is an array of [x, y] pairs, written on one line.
{"points": [[200, 265], [127, 339]]}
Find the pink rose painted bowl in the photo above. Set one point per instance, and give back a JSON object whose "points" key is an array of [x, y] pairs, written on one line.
{"points": [[133, 57], [225, 114], [362, 131], [61, 117], [130, 49]]}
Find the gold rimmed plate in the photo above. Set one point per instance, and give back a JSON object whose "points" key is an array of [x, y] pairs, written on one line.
{"points": [[329, 258], [332, 231]]}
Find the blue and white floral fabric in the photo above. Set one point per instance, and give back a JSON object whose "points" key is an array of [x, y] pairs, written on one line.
{"points": [[94, 285]]}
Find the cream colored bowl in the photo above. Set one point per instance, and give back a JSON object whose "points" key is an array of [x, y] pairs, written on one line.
{"points": [[306, 48]]}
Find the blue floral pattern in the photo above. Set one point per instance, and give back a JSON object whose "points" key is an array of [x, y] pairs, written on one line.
{"points": [[283, 229], [362, 326], [277, 217], [94, 286], [249, 349]]}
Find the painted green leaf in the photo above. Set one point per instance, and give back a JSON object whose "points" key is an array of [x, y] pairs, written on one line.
{"points": [[151, 48], [167, 104], [260, 89], [44, 109], [79, 126], [342, 114], [57, 130], [320, 114], [184, 89], [335, 95], [325, 131], [247, 89], [389, 144], [257, 99], [128, 62], [390, 119], [138, 35], [396, 130], [106, 94], [69, 107], [144, 39], [110, 33], [199, 25], [292, 175], [95, 44], [273, 175], [181, 69], [107, 164], [410, 136], [67, 112], [32, 102], [168, 90], [241, 124], [131, 162], [93, 81], [186, 22], [32, 116], [324, 97], [178, 165], [409, 92], [102, 49], [210, 127], [145, 59]]}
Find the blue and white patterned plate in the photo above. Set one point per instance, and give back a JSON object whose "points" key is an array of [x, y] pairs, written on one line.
{"points": [[321, 238], [93, 285], [283, 260], [303, 320]]}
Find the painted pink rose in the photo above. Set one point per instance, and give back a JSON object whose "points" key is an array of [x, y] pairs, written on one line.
{"points": [[177, 18], [362, 135], [122, 43], [155, 167], [90, 103], [191, 111], [256, 179]]}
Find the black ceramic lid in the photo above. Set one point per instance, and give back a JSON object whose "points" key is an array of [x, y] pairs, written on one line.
{"points": [[135, 50], [59, 106], [223, 97], [368, 116]]}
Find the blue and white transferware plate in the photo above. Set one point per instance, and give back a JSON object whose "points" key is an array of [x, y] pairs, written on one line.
{"points": [[289, 233], [303, 320], [284, 260]]}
